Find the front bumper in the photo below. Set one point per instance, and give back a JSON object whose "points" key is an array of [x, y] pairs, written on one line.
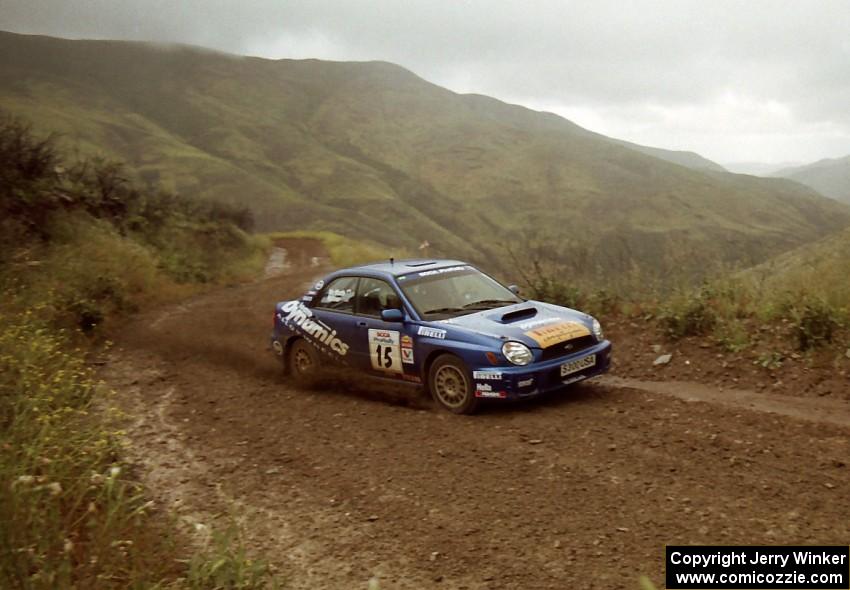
{"points": [[514, 382]]}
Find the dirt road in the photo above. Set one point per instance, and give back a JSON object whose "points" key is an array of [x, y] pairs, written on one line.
{"points": [[340, 485]]}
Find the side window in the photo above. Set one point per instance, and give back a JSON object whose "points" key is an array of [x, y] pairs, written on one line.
{"points": [[339, 295], [374, 296]]}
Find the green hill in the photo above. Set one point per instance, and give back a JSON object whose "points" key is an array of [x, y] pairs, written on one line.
{"points": [[371, 150], [830, 177], [820, 268]]}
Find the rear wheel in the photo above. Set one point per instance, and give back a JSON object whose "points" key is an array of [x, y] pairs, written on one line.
{"points": [[451, 385], [303, 362]]}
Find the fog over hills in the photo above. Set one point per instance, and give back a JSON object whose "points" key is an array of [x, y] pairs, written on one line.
{"points": [[830, 177], [370, 150]]}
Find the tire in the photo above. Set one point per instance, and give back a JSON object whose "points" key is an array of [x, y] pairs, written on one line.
{"points": [[450, 384], [303, 363]]}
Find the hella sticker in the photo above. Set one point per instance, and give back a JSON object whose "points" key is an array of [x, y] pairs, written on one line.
{"points": [[486, 390]]}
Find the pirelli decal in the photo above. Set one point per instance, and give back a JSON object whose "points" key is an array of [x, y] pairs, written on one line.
{"points": [[547, 336]]}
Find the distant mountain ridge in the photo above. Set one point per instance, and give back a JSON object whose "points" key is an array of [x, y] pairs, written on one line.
{"points": [[370, 149], [756, 168], [830, 177], [683, 158]]}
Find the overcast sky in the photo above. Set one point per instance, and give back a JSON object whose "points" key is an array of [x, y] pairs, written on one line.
{"points": [[750, 80]]}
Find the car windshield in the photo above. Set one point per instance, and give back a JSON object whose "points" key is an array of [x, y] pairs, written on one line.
{"points": [[450, 292]]}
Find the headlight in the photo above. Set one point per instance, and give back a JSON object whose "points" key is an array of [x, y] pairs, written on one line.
{"points": [[517, 352], [597, 330]]}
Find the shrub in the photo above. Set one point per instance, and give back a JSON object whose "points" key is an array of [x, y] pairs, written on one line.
{"points": [[732, 335], [556, 292], [815, 321], [688, 315]]}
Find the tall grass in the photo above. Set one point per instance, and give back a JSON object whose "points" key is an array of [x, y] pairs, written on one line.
{"points": [[72, 516], [727, 309], [80, 245]]}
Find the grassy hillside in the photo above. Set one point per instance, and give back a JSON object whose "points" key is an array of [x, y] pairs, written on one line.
{"points": [[369, 149], [830, 177], [683, 158], [821, 268]]}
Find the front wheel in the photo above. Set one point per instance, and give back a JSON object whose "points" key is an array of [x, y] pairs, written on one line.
{"points": [[303, 363], [451, 385]]}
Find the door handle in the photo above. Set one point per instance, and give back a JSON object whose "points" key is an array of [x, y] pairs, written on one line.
{"points": [[361, 324]]}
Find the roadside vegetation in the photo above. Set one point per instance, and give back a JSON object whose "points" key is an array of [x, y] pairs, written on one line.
{"points": [[767, 314], [81, 247]]}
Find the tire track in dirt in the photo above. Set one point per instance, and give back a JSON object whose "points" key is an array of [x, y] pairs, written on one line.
{"points": [[827, 411], [355, 480]]}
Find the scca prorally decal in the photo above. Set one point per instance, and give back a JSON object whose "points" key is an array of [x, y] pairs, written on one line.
{"points": [[486, 375], [299, 316], [431, 332], [439, 271]]}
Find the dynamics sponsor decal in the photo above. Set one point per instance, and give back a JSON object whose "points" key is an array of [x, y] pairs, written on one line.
{"points": [[550, 335], [431, 332], [298, 317], [486, 375]]}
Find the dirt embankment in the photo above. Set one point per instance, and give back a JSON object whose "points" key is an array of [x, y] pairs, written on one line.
{"points": [[338, 485]]}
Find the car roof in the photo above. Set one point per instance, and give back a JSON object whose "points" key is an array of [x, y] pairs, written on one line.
{"points": [[397, 268]]}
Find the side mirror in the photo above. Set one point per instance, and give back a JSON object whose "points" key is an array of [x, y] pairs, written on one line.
{"points": [[392, 315], [514, 289]]}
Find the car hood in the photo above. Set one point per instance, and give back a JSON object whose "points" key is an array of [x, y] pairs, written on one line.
{"points": [[533, 323]]}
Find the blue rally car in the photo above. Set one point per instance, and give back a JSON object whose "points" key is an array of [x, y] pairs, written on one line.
{"points": [[440, 323]]}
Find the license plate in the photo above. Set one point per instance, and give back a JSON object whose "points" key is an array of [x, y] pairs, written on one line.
{"points": [[576, 366]]}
